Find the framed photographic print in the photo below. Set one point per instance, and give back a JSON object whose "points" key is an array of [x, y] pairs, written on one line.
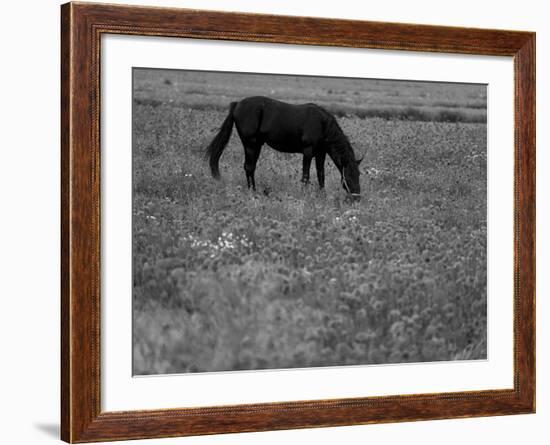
{"points": [[275, 222]]}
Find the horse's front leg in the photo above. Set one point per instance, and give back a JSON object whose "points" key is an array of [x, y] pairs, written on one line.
{"points": [[306, 164], [320, 167]]}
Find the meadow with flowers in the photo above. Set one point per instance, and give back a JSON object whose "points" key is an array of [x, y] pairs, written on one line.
{"points": [[291, 276]]}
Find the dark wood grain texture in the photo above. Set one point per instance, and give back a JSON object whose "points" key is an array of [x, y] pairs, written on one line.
{"points": [[81, 29]]}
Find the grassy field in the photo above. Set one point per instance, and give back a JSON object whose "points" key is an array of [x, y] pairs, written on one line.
{"points": [[227, 279]]}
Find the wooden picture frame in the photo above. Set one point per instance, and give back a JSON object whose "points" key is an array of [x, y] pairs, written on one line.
{"points": [[82, 25]]}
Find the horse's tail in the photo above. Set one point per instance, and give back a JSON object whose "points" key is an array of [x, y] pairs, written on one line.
{"points": [[216, 147]]}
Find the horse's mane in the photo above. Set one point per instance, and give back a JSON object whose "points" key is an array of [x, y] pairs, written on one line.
{"points": [[338, 141]]}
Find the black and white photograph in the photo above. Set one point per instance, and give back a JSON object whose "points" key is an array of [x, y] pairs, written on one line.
{"points": [[247, 223], [290, 221]]}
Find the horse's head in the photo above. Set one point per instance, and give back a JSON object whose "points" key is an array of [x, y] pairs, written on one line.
{"points": [[350, 179]]}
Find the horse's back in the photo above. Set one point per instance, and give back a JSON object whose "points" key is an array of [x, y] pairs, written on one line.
{"points": [[283, 126], [273, 107]]}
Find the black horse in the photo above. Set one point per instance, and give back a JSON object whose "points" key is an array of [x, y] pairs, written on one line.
{"points": [[306, 128]]}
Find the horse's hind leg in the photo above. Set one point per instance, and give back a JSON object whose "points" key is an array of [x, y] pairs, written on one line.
{"points": [[251, 155], [320, 167], [306, 164]]}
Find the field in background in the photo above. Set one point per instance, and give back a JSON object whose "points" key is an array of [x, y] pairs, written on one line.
{"points": [[226, 279], [419, 101]]}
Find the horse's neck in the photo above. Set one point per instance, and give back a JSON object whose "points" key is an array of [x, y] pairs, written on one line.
{"points": [[338, 148], [336, 159], [340, 158]]}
